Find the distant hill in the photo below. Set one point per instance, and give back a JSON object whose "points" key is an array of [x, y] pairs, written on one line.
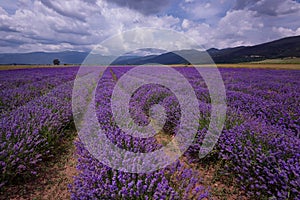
{"points": [[278, 49], [284, 48], [35, 58]]}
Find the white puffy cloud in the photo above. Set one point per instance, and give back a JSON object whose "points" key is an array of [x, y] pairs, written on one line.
{"points": [[206, 10], [70, 25], [55, 25], [284, 32], [248, 22], [202, 33]]}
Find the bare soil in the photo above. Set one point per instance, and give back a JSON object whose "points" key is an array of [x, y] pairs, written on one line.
{"points": [[222, 187], [52, 182]]}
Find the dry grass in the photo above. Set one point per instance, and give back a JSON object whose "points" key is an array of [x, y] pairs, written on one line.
{"points": [[280, 61], [247, 65], [11, 67], [259, 65], [250, 65]]}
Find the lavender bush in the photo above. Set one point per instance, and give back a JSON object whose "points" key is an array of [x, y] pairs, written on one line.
{"points": [[30, 128], [260, 142], [259, 145]]}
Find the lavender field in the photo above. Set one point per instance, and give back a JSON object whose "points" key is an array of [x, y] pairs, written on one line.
{"points": [[259, 148]]}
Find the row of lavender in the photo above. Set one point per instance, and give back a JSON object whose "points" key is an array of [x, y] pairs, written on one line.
{"points": [[35, 108], [260, 143], [31, 129], [19, 87], [97, 181]]}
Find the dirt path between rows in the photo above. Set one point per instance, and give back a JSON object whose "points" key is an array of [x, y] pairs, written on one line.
{"points": [[52, 182]]}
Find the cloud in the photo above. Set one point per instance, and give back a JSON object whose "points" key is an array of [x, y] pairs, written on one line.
{"points": [[279, 17], [202, 10], [10, 6], [145, 7], [242, 4], [242, 27], [239, 28], [36, 25], [284, 32], [245, 22], [207, 11], [10, 42], [44, 25], [75, 9], [268, 7], [200, 32], [6, 28]]}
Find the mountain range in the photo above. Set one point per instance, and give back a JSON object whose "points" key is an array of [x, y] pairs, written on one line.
{"points": [[282, 48]]}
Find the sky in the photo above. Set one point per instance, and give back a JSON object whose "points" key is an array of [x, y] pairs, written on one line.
{"points": [[79, 25]]}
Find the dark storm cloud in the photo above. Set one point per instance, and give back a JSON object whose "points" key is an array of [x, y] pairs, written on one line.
{"points": [[146, 7], [242, 4], [65, 12], [268, 7], [5, 28], [80, 32], [69, 38], [38, 39], [10, 42]]}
